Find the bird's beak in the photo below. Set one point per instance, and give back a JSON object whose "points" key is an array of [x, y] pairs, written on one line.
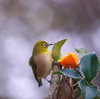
{"points": [[50, 44]]}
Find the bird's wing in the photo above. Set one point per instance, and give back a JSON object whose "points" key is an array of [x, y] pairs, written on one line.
{"points": [[33, 65]]}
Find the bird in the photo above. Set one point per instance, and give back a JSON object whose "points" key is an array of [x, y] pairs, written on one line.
{"points": [[41, 61]]}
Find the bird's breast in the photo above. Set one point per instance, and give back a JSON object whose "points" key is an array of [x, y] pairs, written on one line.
{"points": [[43, 63]]}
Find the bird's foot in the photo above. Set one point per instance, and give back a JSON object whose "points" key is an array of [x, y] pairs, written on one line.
{"points": [[48, 80]]}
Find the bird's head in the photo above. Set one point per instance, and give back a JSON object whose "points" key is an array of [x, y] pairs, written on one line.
{"points": [[41, 47]]}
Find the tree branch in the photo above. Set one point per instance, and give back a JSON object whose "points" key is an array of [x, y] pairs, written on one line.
{"points": [[60, 86], [55, 81]]}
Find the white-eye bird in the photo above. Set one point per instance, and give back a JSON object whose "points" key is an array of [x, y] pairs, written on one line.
{"points": [[41, 61]]}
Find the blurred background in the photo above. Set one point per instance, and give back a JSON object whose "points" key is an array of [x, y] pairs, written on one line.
{"points": [[24, 22]]}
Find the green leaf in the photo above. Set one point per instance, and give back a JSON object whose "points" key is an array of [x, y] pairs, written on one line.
{"points": [[88, 92], [97, 97], [58, 72], [56, 49], [89, 65], [81, 51], [70, 73]]}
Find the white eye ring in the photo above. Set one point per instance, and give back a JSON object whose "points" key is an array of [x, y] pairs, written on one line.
{"points": [[44, 45]]}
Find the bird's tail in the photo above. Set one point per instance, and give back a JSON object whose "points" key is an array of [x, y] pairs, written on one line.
{"points": [[39, 81]]}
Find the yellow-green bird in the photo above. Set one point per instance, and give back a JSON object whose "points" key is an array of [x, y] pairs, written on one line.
{"points": [[41, 61]]}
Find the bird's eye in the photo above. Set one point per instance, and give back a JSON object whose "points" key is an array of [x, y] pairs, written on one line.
{"points": [[44, 45]]}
